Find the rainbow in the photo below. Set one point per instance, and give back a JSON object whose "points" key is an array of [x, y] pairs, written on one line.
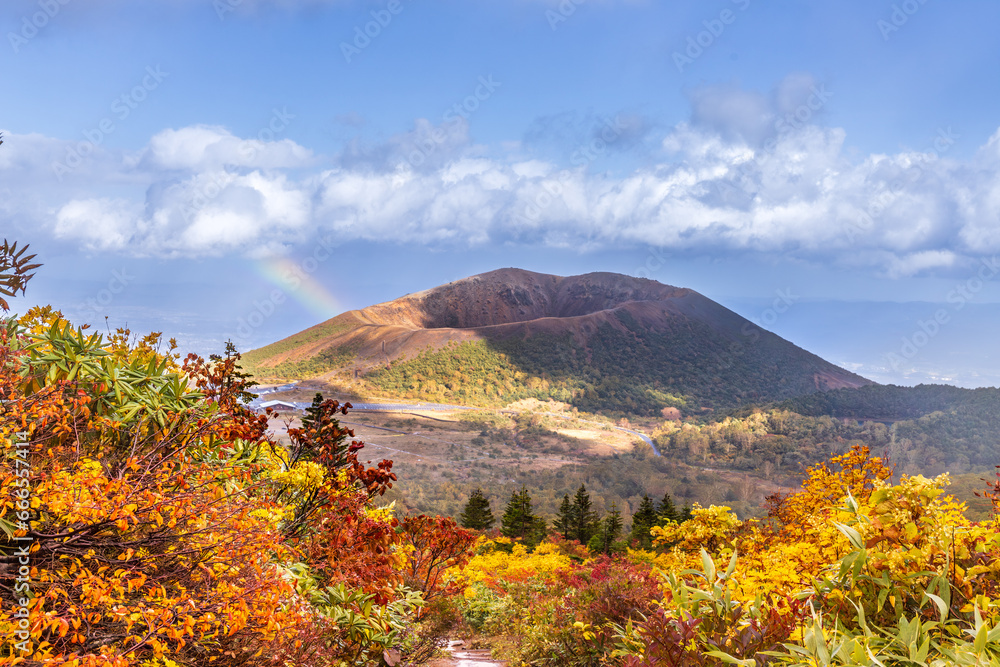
{"points": [[298, 281]]}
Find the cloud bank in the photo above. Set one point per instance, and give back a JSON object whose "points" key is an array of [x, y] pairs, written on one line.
{"points": [[746, 174]]}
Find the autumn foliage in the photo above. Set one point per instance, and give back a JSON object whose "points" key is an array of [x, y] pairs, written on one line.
{"points": [[148, 523], [853, 569], [154, 521], [148, 518]]}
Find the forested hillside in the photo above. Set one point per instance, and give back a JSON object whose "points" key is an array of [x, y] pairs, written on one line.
{"points": [[891, 402], [625, 369], [927, 429]]}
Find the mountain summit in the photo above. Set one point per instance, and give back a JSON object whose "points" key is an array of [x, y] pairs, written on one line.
{"points": [[598, 341]]}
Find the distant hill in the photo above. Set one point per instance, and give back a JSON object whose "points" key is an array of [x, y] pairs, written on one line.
{"points": [[600, 341], [927, 429], [941, 428], [893, 403]]}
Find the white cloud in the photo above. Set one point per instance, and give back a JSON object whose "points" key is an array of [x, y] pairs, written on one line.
{"points": [[716, 186], [102, 224], [204, 147], [908, 265]]}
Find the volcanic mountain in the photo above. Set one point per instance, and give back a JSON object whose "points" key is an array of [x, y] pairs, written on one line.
{"points": [[598, 341]]}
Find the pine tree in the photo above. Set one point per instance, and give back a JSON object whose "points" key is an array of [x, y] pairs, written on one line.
{"points": [[585, 519], [539, 529], [477, 514], [321, 434], [313, 412], [645, 517], [667, 510], [611, 528], [518, 520], [685, 514], [564, 522], [237, 377]]}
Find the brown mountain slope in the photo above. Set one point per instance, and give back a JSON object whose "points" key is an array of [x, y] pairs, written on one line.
{"points": [[578, 333]]}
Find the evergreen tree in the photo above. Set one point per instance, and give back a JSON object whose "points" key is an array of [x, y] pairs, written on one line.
{"points": [[610, 529], [539, 529], [477, 514], [585, 520], [685, 514], [313, 412], [236, 378], [564, 522], [667, 510], [518, 520], [645, 517], [320, 425]]}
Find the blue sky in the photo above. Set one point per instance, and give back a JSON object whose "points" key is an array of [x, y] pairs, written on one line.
{"points": [[243, 169]]}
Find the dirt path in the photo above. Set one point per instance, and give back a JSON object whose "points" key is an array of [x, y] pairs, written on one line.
{"points": [[474, 659], [463, 657]]}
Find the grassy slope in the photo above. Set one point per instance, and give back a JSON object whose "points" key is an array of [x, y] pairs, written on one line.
{"points": [[261, 362]]}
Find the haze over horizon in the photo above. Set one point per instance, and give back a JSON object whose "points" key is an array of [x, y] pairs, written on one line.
{"points": [[197, 166]]}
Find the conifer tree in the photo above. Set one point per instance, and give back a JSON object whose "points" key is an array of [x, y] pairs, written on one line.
{"points": [[477, 514], [539, 529], [667, 510], [564, 521], [238, 377], [685, 514], [518, 520], [585, 519], [319, 425], [610, 529], [311, 418], [645, 517]]}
